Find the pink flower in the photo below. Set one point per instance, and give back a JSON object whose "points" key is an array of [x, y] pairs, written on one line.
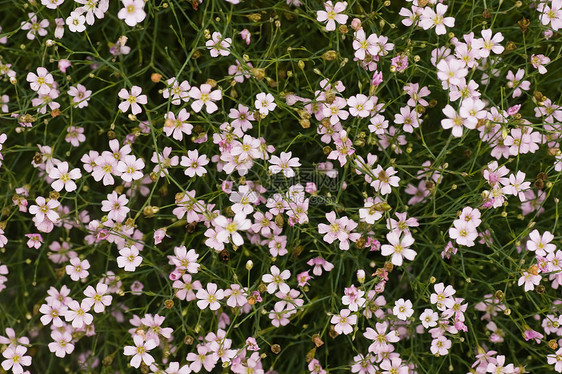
{"points": [[129, 258], [133, 13], [78, 314], [177, 91], [194, 163], [360, 105], [491, 44], [177, 126], [265, 103], [218, 46], [246, 36], [97, 297], [380, 338], [285, 163], [77, 269], [235, 296], [344, 321], [80, 95], [538, 62], [140, 350], [64, 178], [384, 180], [463, 233], [42, 82], [209, 297], [399, 248], [185, 260], [540, 244], [134, 98], [62, 344], [556, 360], [319, 263], [277, 280], [440, 346], [331, 14], [15, 359], [185, 287], [35, 240], [130, 168], [431, 18], [205, 97], [230, 229], [451, 72], [116, 206]]}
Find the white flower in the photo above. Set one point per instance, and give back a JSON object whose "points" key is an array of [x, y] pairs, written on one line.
{"points": [[132, 12], [75, 22], [265, 103], [403, 309], [64, 178]]}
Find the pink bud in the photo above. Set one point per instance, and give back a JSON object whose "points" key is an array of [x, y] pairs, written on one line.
{"points": [[63, 65], [513, 110], [356, 24], [310, 187], [377, 78], [175, 275], [246, 36]]}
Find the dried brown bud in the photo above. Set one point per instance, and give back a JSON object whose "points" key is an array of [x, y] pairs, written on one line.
{"points": [[305, 124], [333, 334], [279, 220], [499, 295], [317, 341], [432, 103], [540, 289], [54, 195], [108, 360], [298, 250], [188, 340], [310, 355], [224, 255], [37, 158], [330, 55], [388, 266], [55, 112], [486, 14], [155, 77], [169, 304], [254, 17], [258, 73], [553, 344], [111, 134], [524, 24], [211, 82], [510, 46], [542, 176], [343, 29], [276, 348], [147, 211], [539, 184], [360, 243], [327, 150], [190, 227]]}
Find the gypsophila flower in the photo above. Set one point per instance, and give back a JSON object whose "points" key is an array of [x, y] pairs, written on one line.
{"points": [[132, 12], [133, 98], [331, 14]]}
